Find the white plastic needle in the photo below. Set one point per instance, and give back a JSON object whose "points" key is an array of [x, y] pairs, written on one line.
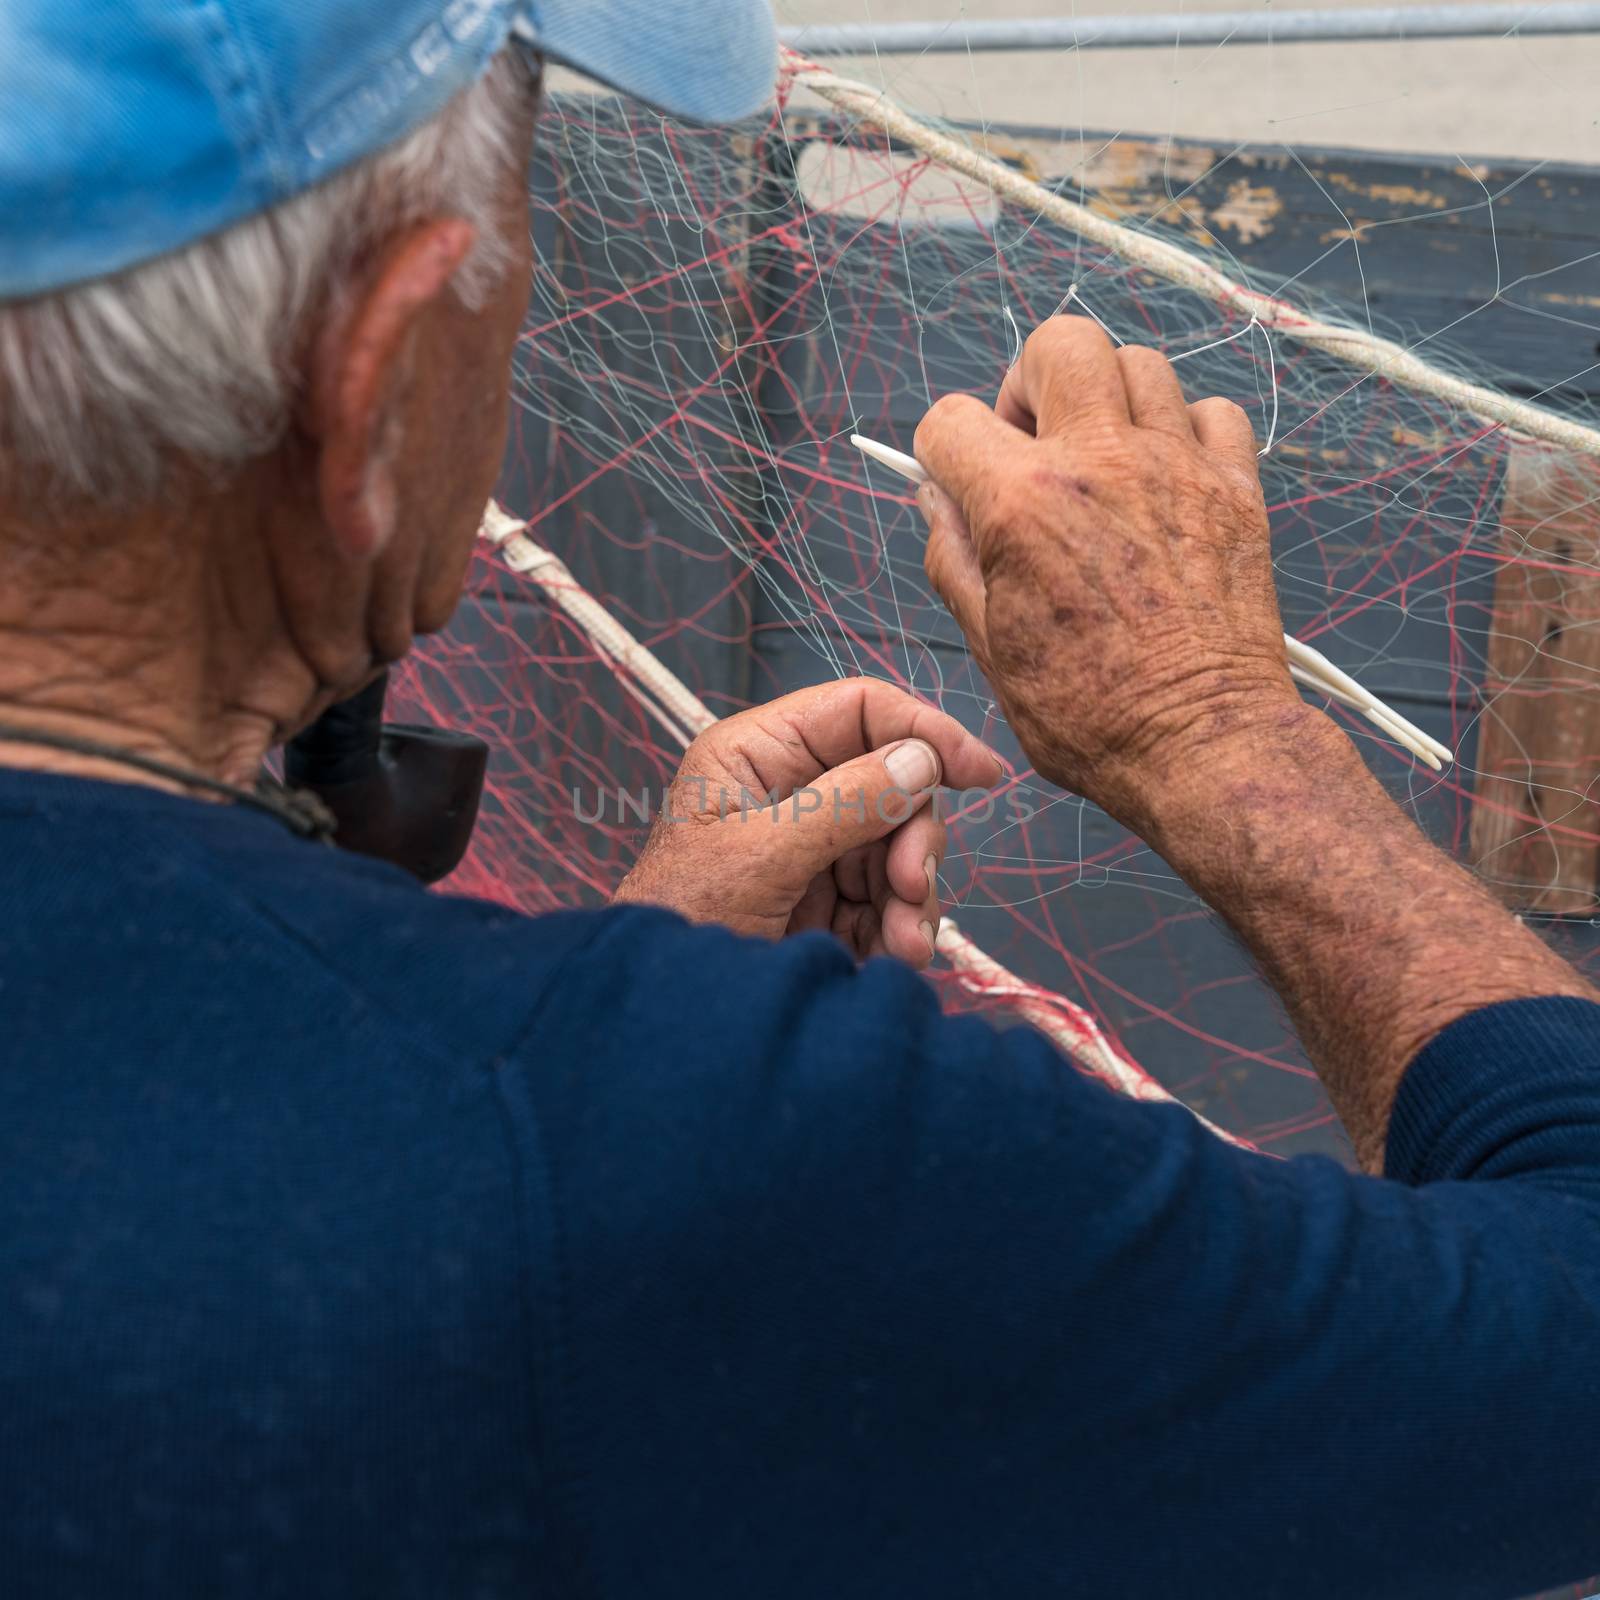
{"points": [[894, 460]]}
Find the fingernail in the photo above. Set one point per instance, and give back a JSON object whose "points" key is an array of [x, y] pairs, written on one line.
{"points": [[927, 502], [913, 765], [931, 867], [927, 933]]}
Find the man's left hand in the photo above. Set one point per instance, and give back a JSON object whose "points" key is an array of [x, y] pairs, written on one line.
{"points": [[814, 812]]}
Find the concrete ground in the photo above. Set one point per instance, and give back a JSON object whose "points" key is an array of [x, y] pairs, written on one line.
{"points": [[1536, 99]]}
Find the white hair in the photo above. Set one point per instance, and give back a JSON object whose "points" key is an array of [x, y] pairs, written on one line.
{"points": [[191, 355]]}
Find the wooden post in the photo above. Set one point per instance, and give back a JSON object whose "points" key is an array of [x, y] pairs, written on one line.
{"points": [[1536, 816]]}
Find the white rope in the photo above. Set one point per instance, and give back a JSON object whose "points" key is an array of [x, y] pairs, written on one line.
{"points": [[1360, 349], [681, 713], [664, 697]]}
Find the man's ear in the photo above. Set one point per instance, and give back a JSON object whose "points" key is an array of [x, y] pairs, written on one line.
{"points": [[361, 363]]}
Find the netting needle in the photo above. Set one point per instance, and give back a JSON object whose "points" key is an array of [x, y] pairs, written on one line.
{"points": [[1307, 666], [894, 460]]}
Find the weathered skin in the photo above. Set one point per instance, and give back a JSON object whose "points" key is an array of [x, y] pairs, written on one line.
{"points": [[1104, 546], [851, 846]]}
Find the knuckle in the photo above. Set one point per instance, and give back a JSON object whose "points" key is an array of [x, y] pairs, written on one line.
{"points": [[1221, 410], [945, 416], [1046, 337], [1142, 358], [1065, 334], [1064, 343]]}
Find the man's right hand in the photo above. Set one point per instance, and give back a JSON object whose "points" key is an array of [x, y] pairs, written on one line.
{"points": [[1103, 545]]}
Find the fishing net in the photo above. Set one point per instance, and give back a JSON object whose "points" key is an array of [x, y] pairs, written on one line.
{"points": [[716, 311]]}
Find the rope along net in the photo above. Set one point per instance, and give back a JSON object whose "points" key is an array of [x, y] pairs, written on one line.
{"points": [[687, 531]]}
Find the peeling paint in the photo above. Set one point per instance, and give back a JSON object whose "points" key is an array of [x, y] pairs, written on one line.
{"points": [[1404, 194], [1142, 165], [1248, 209], [1396, 194]]}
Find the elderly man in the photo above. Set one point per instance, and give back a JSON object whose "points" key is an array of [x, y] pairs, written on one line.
{"points": [[358, 1241]]}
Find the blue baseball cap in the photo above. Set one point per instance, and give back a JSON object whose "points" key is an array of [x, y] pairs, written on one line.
{"points": [[129, 128]]}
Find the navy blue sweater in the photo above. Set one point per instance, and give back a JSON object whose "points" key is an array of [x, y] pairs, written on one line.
{"points": [[356, 1241]]}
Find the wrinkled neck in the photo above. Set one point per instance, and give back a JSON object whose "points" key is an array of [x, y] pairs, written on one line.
{"points": [[157, 634]]}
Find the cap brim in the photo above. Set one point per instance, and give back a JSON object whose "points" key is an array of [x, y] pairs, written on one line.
{"points": [[702, 60]]}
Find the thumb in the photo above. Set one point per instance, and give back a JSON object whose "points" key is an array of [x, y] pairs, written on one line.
{"points": [[854, 804]]}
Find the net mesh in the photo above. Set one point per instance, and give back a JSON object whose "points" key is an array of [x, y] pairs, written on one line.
{"points": [[715, 312]]}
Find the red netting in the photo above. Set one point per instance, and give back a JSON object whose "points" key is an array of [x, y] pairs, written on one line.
{"points": [[716, 312]]}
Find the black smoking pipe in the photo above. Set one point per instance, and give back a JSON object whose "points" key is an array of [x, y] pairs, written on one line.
{"points": [[399, 791]]}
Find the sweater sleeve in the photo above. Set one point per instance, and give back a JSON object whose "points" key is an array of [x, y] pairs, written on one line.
{"points": [[858, 1299], [1508, 1092]]}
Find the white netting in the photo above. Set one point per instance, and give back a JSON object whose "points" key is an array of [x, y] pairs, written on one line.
{"points": [[715, 313]]}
